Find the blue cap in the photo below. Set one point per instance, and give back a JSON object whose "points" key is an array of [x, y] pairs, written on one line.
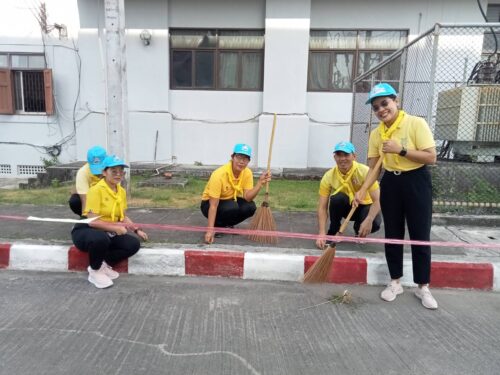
{"points": [[346, 147], [95, 157], [113, 161], [243, 149], [382, 89]]}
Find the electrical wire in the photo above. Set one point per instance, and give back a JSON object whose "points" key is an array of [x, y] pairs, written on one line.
{"points": [[486, 71], [492, 31], [56, 149]]}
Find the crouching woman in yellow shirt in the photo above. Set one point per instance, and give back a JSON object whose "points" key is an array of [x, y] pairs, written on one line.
{"points": [[106, 239], [228, 196]]}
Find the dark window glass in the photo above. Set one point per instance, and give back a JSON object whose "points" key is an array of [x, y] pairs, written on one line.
{"points": [[204, 68], [228, 70], [182, 62], [251, 71], [342, 67], [337, 57], [34, 96], [217, 59], [29, 91], [319, 64]]}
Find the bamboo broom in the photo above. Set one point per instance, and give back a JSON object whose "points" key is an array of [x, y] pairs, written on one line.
{"points": [[318, 272], [263, 219]]}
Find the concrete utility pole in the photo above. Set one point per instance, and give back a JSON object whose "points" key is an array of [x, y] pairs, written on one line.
{"points": [[116, 81]]}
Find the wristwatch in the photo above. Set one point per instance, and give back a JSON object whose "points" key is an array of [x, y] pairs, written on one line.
{"points": [[403, 151]]}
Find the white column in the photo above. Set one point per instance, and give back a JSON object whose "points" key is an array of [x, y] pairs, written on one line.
{"points": [[285, 83]]}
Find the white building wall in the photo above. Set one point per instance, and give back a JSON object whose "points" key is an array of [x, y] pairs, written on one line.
{"points": [[202, 126], [20, 33], [285, 84]]}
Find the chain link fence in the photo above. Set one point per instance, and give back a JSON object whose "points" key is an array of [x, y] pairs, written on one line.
{"points": [[450, 76]]}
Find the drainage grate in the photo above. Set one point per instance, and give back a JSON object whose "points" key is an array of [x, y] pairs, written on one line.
{"points": [[30, 169]]}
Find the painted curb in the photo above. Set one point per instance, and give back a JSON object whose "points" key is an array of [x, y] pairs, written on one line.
{"points": [[249, 265]]}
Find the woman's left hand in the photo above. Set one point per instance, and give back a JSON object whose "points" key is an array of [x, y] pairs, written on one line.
{"points": [[142, 234], [391, 147], [265, 177]]}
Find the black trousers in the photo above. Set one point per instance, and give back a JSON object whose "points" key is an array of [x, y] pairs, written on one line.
{"points": [[408, 197], [339, 208], [230, 212], [75, 203], [101, 247]]}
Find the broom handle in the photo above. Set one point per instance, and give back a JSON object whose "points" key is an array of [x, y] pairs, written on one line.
{"points": [[374, 171], [270, 152], [346, 221]]}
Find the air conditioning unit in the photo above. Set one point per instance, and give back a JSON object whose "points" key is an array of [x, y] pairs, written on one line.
{"points": [[469, 113]]}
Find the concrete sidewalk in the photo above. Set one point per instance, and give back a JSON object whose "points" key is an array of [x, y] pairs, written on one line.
{"points": [[59, 324], [184, 253]]}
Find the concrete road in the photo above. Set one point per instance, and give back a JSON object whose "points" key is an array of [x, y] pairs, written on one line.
{"points": [[59, 324]]}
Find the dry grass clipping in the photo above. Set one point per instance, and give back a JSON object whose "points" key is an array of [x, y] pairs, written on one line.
{"points": [[340, 299]]}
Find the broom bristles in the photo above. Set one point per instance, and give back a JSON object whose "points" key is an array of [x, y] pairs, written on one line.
{"points": [[318, 272], [263, 220]]}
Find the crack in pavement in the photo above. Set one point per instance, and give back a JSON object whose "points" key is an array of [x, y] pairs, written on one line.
{"points": [[160, 347]]}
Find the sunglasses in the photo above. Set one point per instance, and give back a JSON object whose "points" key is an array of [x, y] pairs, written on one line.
{"points": [[383, 104], [117, 172]]}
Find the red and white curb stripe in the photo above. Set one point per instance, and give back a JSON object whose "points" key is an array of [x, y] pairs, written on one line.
{"points": [[248, 265]]}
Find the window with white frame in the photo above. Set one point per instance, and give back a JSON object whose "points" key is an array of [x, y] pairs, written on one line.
{"points": [[337, 57], [25, 84], [216, 59]]}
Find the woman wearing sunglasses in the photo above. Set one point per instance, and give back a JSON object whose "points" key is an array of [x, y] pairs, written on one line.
{"points": [[229, 193], [407, 146], [107, 239]]}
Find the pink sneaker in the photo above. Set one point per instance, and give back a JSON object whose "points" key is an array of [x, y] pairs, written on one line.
{"points": [[99, 278], [427, 299], [390, 293], [109, 271]]}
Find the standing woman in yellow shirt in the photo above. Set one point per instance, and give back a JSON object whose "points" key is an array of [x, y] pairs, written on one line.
{"points": [[106, 239], [405, 189], [228, 196]]}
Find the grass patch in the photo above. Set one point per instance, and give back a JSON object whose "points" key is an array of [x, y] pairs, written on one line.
{"points": [[48, 196], [284, 195]]}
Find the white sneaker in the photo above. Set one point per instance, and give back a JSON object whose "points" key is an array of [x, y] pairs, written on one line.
{"points": [[99, 278], [427, 299], [109, 271], [390, 293]]}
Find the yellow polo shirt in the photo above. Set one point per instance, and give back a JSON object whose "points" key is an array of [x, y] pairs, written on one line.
{"points": [[218, 186], [330, 183], [413, 133], [101, 200], [85, 179]]}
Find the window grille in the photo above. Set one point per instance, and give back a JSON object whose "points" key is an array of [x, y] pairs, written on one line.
{"points": [[29, 90], [30, 170], [5, 169]]}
